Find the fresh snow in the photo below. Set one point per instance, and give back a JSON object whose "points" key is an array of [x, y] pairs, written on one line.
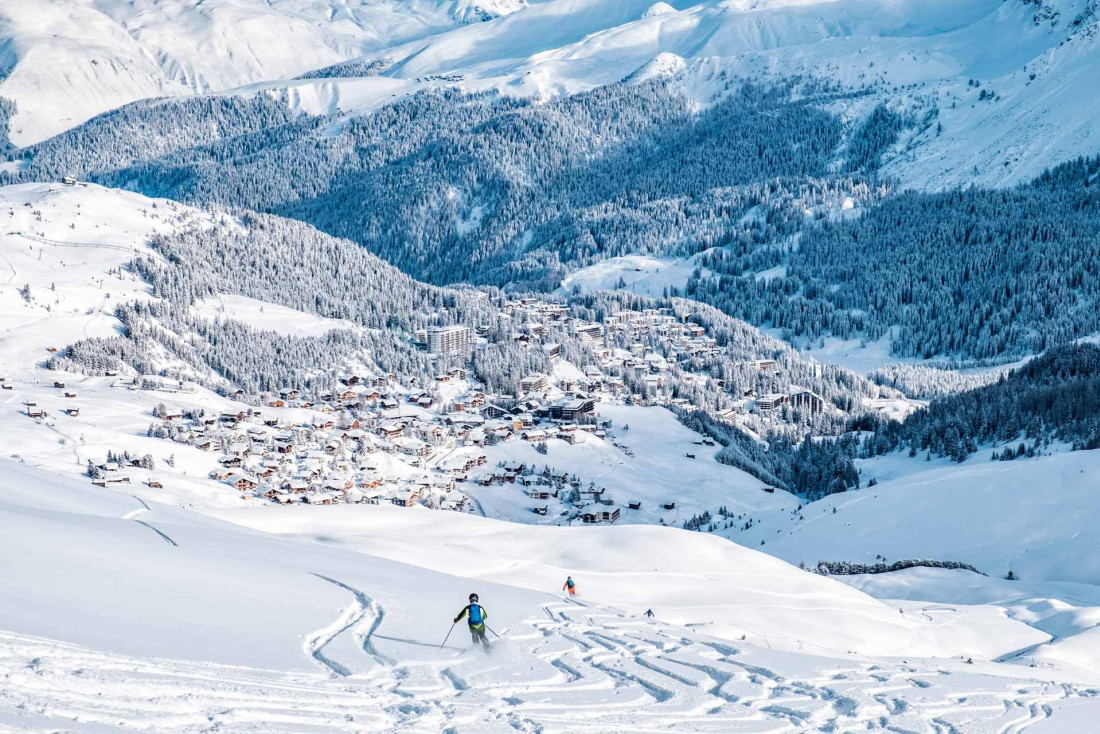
{"points": [[656, 471], [1033, 517], [123, 615], [645, 275], [919, 55], [269, 316], [66, 61]]}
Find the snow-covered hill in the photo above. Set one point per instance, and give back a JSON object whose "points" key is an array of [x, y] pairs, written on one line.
{"points": [[122, 614], [997, 91], [66, 61], [1032, 517]]}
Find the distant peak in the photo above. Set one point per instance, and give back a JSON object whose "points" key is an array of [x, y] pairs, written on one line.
{"points": [[659, 8]]}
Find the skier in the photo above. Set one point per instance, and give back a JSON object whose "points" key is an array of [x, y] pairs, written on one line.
{"points": [[478, 615], [649, 613], [570, 585]]}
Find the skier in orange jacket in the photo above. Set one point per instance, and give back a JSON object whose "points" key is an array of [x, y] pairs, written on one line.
{"points": [[570, 586]]}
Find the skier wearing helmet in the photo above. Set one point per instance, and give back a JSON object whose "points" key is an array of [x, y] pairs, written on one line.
{"points": [[478, 615]]}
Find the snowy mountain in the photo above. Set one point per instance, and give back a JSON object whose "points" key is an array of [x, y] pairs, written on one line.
{"points": [[983, 115], [318, 315], [66, 61]]}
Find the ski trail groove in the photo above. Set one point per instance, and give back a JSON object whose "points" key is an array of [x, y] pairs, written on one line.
{"points": [[168, 540]]}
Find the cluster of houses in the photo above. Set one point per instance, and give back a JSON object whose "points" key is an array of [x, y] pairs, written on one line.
{"points": [[651, 343], [557, 494], [370, 441]]}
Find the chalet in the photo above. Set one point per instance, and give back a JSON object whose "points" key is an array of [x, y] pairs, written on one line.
{"points": [[669, 505], [242, 483], [60, 385], [391, 430], [155, 484], [540, 510], [405, 498], [73, 412], [35, 412], [594, 514], [276, 403], [105, 482], [290, 394], [296, 486], [493, 411], [634, 505]]}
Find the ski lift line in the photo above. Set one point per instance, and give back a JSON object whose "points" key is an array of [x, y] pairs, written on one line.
{"points": [[60, 243]]}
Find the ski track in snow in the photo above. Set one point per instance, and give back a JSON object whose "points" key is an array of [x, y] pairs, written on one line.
{"points": [[591, 671]]}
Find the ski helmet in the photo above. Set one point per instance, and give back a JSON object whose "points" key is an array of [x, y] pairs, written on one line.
{"points": [[473, 597]]}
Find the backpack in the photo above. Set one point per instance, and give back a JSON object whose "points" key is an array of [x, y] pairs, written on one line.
{"points": [[475, 614]]}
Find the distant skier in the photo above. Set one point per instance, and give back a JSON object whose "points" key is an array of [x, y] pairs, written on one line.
{"points": [[649, 613], [570, 586], [478, 615]]}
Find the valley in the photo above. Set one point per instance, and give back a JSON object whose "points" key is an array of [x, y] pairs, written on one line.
{"points": [[771, 325]]}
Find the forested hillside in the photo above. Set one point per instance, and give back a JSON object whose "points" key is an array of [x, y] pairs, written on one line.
{"points": [[977, 273], [491, 190], [1054, 397], [488, 189]]}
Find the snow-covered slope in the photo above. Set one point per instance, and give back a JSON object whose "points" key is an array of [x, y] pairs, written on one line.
{"points": [[692, 579], [1033, 517], [998, 90], [59, 263], [120, 615], [66, 61]]}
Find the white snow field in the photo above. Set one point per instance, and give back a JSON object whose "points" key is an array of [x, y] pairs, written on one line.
{"points": [[122, 615], [1036, 518], [645, 275]]}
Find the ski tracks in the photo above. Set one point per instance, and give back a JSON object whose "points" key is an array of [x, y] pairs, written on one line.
{"points": [[359, 621], [589, 670]]}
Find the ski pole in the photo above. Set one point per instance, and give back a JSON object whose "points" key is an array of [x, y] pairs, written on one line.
{"points": [[452, 629], [493, 631]]}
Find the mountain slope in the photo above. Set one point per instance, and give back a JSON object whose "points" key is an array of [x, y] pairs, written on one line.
{"points": [[1032, 517], [1010, 84], [184, 622], [67, 61]]}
